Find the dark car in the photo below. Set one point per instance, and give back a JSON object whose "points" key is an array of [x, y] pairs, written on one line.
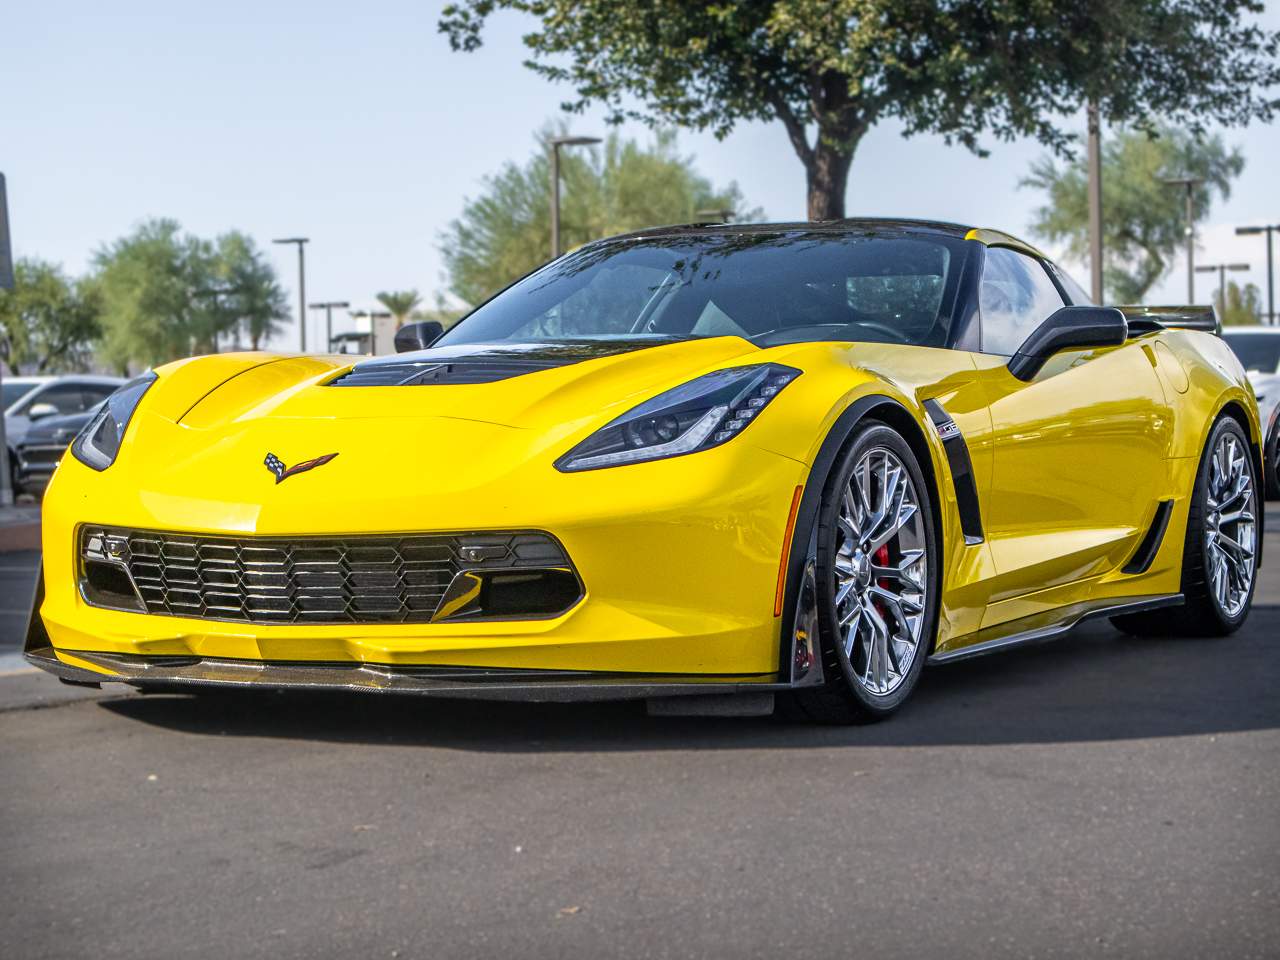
{"points": [[43, 447]]}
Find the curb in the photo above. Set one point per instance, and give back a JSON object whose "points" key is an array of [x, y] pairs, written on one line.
{"points": [[20, 536]]}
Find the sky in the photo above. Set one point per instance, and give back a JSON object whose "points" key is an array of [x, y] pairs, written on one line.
{"points": [[355, 125]]}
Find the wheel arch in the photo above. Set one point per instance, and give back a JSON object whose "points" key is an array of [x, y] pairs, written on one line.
{"points": [[1235, 410], [892, 413]]}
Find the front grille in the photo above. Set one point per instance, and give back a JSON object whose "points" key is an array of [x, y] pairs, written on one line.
{"points": [[42, 455], [356, 579]]}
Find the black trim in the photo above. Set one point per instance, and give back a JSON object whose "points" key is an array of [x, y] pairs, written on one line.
{"points": [[37, 636], [1040, 628], [471, 363], [174, 673], [1145, 555], [807, 514], [957, 451]]}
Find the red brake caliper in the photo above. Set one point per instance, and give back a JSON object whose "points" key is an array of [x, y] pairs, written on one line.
{"points": [[881, 559]]}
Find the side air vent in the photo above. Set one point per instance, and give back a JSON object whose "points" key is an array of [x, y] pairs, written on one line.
{"points": [[957, 451], [1145, 555]]}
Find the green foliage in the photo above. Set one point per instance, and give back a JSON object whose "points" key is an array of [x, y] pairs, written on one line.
{"points": [[1144, 219], [400, 303], [166, 294], [1009, 68], [47, 322], [1243, 306], [251, 301], [505, 233]]}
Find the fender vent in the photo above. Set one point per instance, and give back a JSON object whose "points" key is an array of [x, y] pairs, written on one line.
{"points": [[1145, 555]]}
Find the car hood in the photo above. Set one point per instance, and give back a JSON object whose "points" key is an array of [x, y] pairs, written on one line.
{"points": [[193, 446], [521, 385]]}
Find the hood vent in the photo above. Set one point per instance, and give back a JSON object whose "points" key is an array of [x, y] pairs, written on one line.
{"points": [[486, 362], [413, 373]]}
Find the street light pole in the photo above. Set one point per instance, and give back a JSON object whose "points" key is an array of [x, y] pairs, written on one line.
{"points": [[327, 307], [1095, 202], [1190, 184], [302, 286], [1222, 269], [1269, 229], [556, 143]]}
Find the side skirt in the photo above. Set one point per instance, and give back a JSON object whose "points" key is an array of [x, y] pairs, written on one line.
{"points": [[1042, 628]]}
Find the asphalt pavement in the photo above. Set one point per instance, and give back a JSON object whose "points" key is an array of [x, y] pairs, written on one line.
{"points": [[1099, 796]]}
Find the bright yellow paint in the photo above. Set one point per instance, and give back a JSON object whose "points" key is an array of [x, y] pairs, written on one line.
{"points": [[680, 556]]}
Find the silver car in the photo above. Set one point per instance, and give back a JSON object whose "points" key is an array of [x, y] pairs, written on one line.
{"points": [[41, 397], [1259, 351]]}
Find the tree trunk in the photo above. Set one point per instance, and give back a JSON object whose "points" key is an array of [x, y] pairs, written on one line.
{"points": [[828, 180]]}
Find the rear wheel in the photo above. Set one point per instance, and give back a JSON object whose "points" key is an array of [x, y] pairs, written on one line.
{"points": [[1219, 559], [877, 579]]}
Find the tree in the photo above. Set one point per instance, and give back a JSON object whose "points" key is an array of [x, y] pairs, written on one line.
{"points": [[48, 323], [1243, 305], [252, 296], [1144, 219], [401, 303], [167, 294], [829, 70], [504, 233]]}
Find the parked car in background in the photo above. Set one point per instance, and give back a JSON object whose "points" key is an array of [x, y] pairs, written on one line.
{"points": [[13, 389], [49, 397], [1259, 351], [44, 446]]}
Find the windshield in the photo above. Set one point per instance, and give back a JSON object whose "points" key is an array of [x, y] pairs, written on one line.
{"points": [[770, 288], [12, 391], [1257, 351]]}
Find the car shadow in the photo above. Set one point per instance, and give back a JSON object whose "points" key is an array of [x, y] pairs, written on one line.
{"points": [[1094, 685]]}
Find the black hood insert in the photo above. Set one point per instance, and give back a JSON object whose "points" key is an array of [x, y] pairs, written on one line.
{"points": [[486, 362]]}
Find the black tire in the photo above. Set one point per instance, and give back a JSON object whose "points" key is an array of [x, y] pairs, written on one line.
{"points": [[843, 700], [1271, 468], [1200, 615]]}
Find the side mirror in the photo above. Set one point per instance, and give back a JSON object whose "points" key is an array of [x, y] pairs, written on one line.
{"points": [[418, 336], [1070, 328], [39, 411]]}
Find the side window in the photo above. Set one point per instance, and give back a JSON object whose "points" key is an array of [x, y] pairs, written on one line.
{"points": [[65, 397], [1016, 297]]}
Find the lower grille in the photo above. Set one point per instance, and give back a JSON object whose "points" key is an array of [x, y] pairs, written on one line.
{"points": [[305, 580]]}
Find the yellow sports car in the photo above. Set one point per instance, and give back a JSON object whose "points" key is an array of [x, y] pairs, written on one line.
{"points": [[704, 465]]}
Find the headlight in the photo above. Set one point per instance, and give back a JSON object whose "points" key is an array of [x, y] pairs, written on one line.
{"points": [[702, 413], [98, 443]]}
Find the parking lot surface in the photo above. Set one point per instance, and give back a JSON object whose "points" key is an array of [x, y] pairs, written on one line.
{"points": [[1099, 796]]}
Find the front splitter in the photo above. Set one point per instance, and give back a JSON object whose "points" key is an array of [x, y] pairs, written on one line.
{"points": [[478, 683]]}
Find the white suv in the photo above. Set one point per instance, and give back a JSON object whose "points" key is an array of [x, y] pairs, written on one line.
{"points": [[1259, 351]]}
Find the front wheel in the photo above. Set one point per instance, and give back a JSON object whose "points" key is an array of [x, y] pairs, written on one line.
{"points": [[878, 576]]}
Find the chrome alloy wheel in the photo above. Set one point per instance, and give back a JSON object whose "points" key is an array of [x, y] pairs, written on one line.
{"points": [[1230, 531], [881, 571]]}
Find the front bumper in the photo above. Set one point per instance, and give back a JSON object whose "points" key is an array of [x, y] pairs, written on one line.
{"points": [[679, 591]]}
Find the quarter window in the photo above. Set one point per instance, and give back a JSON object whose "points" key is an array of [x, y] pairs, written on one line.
{"points": [[1016, 297]]}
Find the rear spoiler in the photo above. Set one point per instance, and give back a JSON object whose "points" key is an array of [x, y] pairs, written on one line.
{"points": [[1148, 319]]}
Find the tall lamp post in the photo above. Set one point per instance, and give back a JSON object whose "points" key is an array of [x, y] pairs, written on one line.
{"points": [[1222, 269], [302, 285], [556, 143], [6, 283], [1189, 184], [1095, 201], [1271, 288], [328, 307]]}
